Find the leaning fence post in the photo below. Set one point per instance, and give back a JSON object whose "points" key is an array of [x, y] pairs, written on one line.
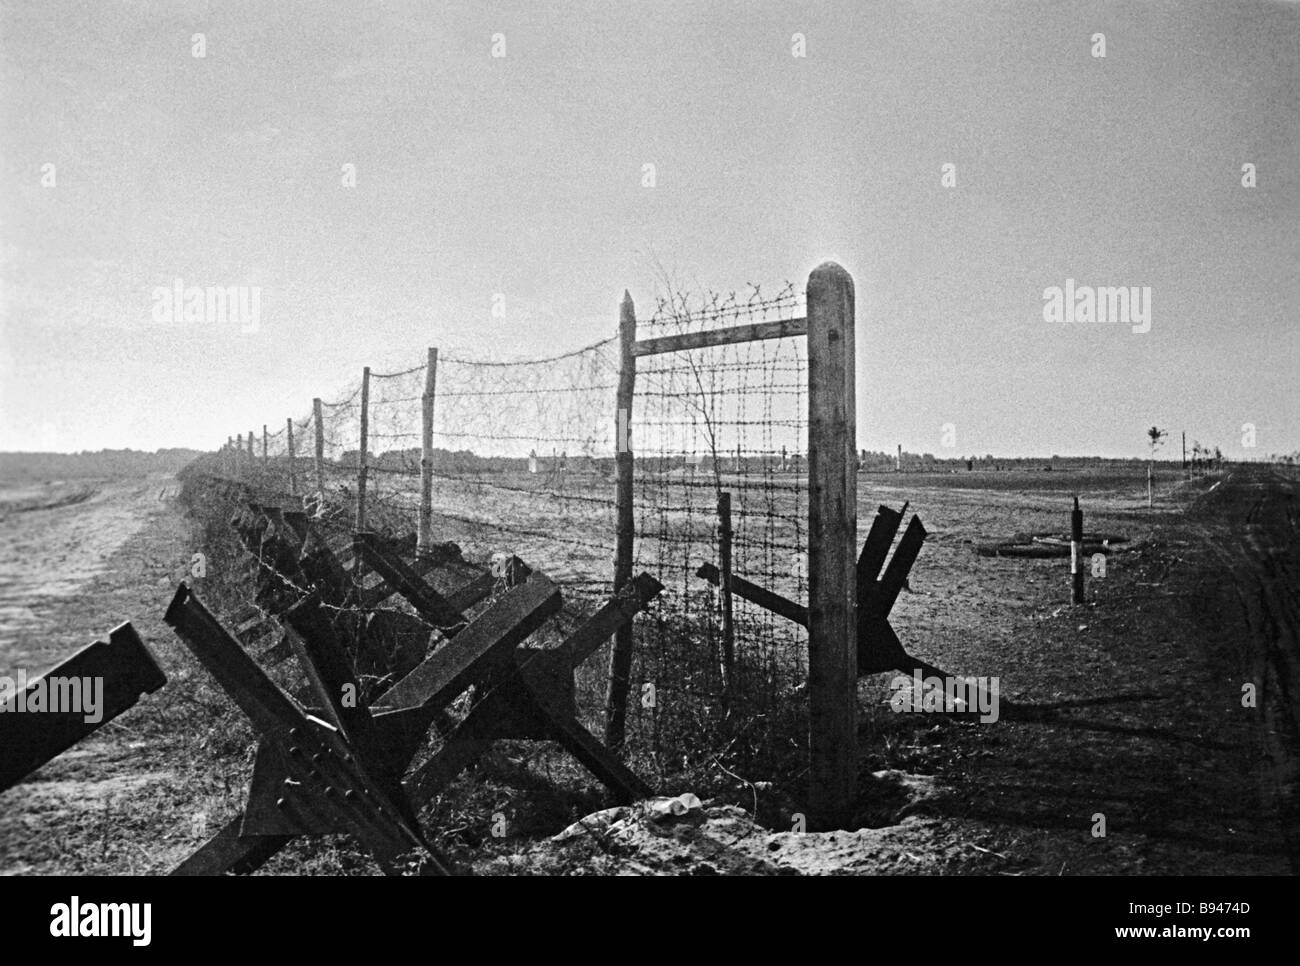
{"points": [[724, 584], [265, 440], [832, 536], [320, 446], [293, 471], [361, 453], [251, 457], [620, 657], [424, 538], [232, 458]]}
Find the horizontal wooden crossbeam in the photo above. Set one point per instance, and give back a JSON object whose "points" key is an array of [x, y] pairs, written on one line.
{"points": [[755, 332], [767, 599], [879, 648]]}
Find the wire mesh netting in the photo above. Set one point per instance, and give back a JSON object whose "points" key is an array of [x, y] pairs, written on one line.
{"points": [[723, 419], [524, 460]]}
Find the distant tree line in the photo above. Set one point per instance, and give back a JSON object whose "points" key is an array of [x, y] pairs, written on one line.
{"points": [[105, 462]]}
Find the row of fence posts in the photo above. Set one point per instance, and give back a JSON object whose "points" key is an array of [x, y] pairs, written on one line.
{"points": [[239, 463], [832, 527]]}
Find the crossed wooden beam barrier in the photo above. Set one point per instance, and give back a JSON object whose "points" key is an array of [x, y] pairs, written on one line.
{"points": [[31, 738], [343, 768], [285, 797], [878, 646], [312, 561], [294, 559], [533, 698], [312, 776]]}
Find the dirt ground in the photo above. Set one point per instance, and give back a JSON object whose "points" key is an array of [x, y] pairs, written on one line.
{"points": [[1128, 708], [59, 535], [70, 571]]}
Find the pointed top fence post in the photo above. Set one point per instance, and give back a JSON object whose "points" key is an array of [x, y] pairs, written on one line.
{"points": [[620, 656], [361, 453], [293, 470], [424, 537], [316, 409]]}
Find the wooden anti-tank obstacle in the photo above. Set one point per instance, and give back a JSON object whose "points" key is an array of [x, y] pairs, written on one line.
{"points": [[878, 646], [30, 739], [343, 767]]}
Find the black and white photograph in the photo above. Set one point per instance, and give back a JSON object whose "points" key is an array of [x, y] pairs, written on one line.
{"points": [[667, 439]]}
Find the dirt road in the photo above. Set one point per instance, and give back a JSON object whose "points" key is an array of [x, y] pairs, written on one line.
{"points": [[69, 572], [58, 537]]}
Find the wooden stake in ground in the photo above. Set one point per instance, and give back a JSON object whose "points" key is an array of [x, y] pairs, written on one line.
{"points": [[832, 539], [424, 538], [724, 563], [361, 453], [320, 446], [293, 473], [1076, 552], [265, 439], [620, 656]]}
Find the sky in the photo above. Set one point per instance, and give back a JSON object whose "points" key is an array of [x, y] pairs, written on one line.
{"points": [[522, 175]]}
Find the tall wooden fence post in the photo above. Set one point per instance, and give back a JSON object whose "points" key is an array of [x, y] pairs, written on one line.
{"points": [[265, 440], [724, 584], [316, 409], [832, 538], [251, 458], [233, 458], [293, 470], [620, 657], [424, 538], [361, 453]]}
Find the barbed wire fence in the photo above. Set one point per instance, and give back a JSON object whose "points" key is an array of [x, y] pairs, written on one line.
{"points": [[522, 460]]}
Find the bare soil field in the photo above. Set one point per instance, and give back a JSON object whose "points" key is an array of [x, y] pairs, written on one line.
{"points": [[1128, 707]]}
